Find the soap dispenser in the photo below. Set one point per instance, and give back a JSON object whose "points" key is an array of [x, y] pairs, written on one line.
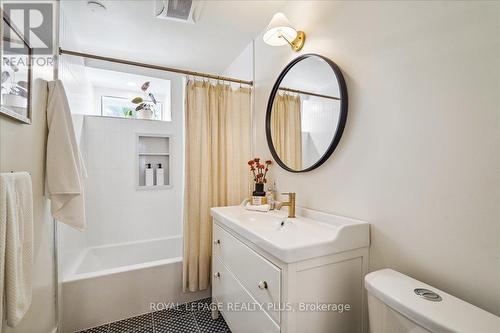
{"points": [[160, 179], [149, 175]]}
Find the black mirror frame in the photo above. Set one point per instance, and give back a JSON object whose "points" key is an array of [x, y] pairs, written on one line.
{"points": [[342, 116]]}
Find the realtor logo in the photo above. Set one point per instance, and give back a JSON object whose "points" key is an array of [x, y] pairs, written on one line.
{"points": [[34, 22]]}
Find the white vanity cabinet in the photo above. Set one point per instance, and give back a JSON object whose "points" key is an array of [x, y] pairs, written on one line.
{"points": [[260, 293]]}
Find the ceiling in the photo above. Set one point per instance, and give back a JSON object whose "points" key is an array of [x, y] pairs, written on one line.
{"points": [[128, 29], [116, 80]]}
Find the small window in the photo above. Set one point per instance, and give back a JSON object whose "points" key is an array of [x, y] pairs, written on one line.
{"points": [[125, 95], [121, 107]]}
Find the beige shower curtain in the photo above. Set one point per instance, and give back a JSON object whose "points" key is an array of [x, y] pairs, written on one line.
{"points": [[286, 130], [218, 146]]}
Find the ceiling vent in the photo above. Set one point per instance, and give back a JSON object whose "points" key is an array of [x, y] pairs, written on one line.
{"points": [[178, 10]]}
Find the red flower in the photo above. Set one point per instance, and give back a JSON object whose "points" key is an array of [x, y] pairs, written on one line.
{"points": [[259, 170]]}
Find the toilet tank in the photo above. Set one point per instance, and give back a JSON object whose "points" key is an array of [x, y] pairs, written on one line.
{"points": [[400, 304]]}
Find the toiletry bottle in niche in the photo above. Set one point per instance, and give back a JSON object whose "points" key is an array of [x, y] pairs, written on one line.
{"points": [[149, 175], [160, 175]]}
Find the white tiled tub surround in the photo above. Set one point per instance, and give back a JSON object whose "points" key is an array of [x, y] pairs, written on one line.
{"points": [[116, 211], [117, 281]]}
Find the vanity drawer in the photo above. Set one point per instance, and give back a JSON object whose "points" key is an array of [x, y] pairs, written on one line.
{"points": [[259, 276], [227, 290]]}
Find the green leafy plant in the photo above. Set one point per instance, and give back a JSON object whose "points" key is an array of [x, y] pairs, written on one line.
{"points": [[128, 112]]}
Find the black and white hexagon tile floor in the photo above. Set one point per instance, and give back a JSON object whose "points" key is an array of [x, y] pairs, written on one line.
{"points": [[192, 317]]}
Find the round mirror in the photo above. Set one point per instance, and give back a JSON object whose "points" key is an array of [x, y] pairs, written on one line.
{"points": [[306, 113]]}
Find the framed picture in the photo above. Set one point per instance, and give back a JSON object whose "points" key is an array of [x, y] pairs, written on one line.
{"points": [[16, 73]]}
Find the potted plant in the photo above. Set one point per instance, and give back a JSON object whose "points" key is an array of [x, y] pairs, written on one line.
{"points": [[145, 109]]}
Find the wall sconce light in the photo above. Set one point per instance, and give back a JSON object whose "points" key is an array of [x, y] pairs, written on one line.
{"points": [[280, 32]]}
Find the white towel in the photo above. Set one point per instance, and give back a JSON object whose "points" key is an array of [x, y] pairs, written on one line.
{"points": [[16, 245], [65, 169], [258, 208]]}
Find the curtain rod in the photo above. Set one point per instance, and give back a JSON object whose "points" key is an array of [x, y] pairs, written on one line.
{"points": [[158, 67], [308, 93]]}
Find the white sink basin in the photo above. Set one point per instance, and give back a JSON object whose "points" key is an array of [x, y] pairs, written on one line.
{"points": [[311, 234]]}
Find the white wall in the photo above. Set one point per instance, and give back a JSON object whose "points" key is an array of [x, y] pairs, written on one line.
{"points": [[116, 211], [419, 158], [22, 148], [242, 66]]}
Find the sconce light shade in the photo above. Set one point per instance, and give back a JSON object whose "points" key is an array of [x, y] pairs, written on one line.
{"points": [[277, 28], [280, 32]]}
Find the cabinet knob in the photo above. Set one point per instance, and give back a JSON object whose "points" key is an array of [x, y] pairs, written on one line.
{"points": [[262, 285], [217, 242], [217, 275]]}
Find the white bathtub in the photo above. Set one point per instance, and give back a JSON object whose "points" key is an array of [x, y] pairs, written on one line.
{"points": [[117, 281], [110, 259]]}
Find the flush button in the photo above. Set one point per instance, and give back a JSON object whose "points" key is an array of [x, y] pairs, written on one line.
{"points": [[428, 294]]}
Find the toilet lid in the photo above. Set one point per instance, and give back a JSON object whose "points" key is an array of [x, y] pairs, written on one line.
{"points": [[427, 306]]}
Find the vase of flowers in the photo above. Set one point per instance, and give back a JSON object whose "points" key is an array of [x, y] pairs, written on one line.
{"points": [[259, 172]]}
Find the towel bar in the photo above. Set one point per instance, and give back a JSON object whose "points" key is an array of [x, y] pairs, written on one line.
{"points": [[13, 172]]}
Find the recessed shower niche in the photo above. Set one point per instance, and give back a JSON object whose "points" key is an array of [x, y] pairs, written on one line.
{"points": [[153, 161]]}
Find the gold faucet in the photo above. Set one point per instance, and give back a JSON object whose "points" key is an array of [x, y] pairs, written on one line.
{"points": [[290, 203]]}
